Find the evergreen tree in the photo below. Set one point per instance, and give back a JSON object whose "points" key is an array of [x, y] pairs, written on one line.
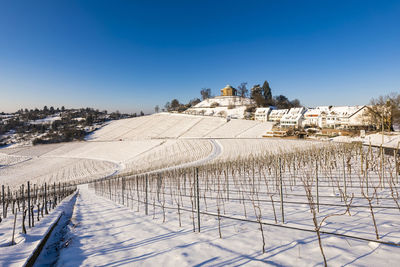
{"points": [[267, 94]]}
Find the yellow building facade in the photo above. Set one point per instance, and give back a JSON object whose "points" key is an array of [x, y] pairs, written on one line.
{"points": [[228, 91]]}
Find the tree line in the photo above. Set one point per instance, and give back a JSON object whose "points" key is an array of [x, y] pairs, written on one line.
{"points": [[67, 124], [262, 96]]}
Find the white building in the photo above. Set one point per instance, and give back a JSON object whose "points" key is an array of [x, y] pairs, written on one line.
{"points": [[359, 118], [294, 118], [346, 117], [262, 114], [316, 117], [336, 117], [276, 114]]}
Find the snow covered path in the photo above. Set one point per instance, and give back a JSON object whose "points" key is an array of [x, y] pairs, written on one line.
{"points": [[104, 233], [107, 234]]}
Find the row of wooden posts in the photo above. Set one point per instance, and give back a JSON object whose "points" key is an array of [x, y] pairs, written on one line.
{"points": [[196, 192], [45, 197]]}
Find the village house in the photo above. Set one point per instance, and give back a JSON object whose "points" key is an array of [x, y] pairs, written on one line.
{"points": [[276, 114], [262, 114], [294, 118], [343, 117], [316, 117]]}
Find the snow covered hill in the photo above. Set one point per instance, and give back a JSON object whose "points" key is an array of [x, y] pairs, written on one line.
{"points": [[103, 232], [168, 125]]}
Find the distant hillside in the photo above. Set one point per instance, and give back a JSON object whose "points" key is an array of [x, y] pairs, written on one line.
{"points": [[169, 125]]}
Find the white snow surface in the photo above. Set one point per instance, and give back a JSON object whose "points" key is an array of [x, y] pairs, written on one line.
{"points": [[389, 140], [138, 144], [104, 233], [18, 254], [166, 125], [46, 120]]}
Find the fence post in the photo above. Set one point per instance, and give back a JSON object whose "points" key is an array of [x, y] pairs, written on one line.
{"points": [[45, 199], [316, 175], [4, 201], [146, 189], [281, 190], [344, 176], [109, 187], [15, 221], [23, 197], [227, 185], [123, 189], [198, 198], [396, 164], [9, 198], [158, 186], [29, 204], [55, 195]]}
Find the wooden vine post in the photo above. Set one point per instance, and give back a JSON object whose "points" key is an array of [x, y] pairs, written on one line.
{"points": [[344, 176], [29, 204], [198, 199], [122, 189], [147, 197], [45, 199], [317, 183], [281, 190], [4, 201]]}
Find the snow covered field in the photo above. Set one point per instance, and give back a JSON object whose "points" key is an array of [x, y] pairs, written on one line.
{"points": [[128, 145], [234, 202], [238, 178], [389, 140], [165, 125], [241, 148]]}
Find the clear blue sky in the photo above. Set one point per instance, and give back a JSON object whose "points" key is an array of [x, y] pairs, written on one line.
{"points": [[132, 55]]}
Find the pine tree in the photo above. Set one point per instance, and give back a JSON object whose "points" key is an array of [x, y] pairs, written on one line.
{"points": [[267, 93]]}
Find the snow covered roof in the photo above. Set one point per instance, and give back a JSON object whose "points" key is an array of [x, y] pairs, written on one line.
{"points": [[295, 111], [316, 112], [344, 111], [330, 111], [262, 110], [278, 112]]}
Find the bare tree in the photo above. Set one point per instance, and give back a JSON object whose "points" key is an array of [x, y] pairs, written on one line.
{"points": [[205, 93], [384, 111], [242, 90]]}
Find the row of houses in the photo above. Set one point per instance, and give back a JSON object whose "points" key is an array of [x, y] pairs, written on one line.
{"points": [[322, 117]]}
